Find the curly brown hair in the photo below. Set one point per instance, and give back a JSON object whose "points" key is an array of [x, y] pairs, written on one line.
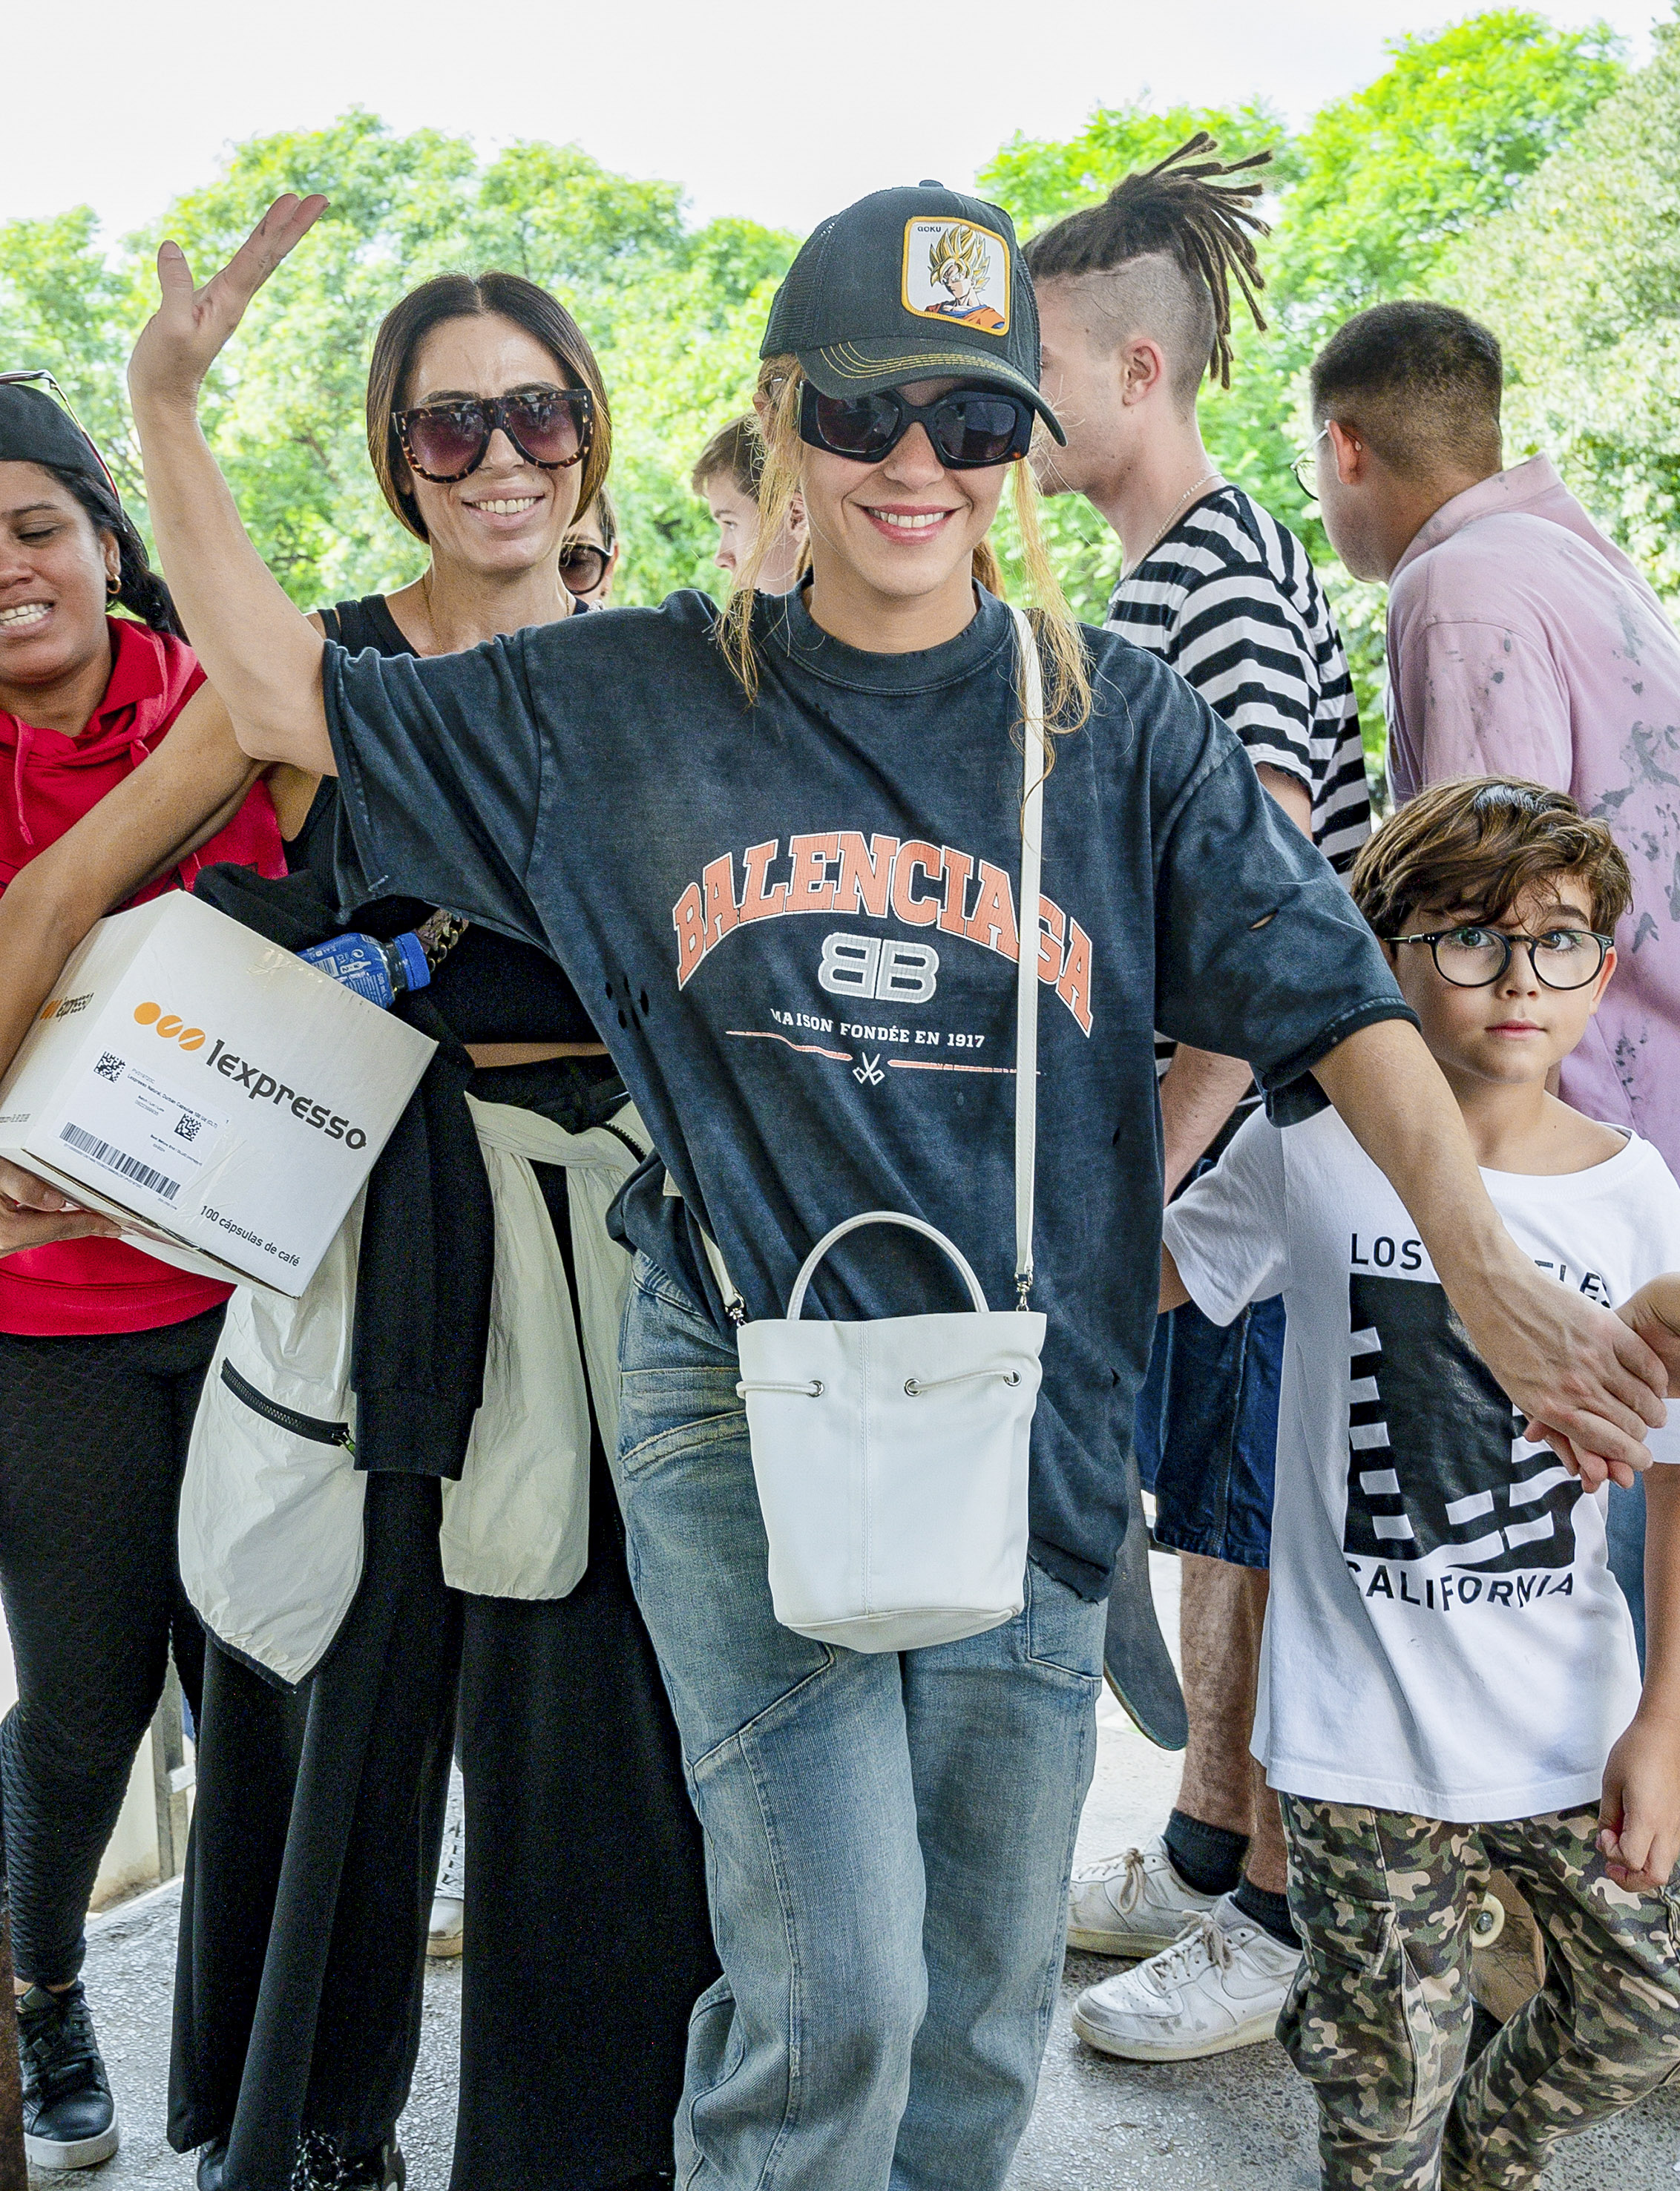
{"points": [[1474, 844]]}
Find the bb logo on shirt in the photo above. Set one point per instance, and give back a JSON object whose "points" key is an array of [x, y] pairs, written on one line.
{"points": [[1437, 1461], [881, 967]]}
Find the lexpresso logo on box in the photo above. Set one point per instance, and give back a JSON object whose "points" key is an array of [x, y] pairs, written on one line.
{"points": [[260, 1087]]}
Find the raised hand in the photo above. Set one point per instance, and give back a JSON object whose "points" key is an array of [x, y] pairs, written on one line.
{"points": [[179, 342]]}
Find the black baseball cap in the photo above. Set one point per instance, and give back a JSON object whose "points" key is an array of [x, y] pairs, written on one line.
{"points": [[911, 284]]}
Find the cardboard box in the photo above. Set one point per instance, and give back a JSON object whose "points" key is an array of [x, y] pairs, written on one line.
{"points": [[222, 1098]]}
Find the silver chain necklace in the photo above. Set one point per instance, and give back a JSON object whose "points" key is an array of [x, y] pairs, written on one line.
{"points": [[1172, 519]]}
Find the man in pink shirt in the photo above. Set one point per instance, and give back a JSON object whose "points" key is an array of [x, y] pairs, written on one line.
{"points": [[1521, 642]]}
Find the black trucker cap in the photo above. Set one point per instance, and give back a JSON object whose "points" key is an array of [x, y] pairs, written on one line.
{"points": [[911, 284]]}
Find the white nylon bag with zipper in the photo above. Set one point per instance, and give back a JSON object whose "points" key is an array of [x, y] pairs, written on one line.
{"points": [[891, 1454], [271, 1502]]}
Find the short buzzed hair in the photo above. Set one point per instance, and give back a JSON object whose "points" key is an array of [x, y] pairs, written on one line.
{"points": [[736, 452], [1421, 383], [1160, 255]]}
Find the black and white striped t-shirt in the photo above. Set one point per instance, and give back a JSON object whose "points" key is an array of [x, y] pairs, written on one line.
{"points": [[1231, 600]]}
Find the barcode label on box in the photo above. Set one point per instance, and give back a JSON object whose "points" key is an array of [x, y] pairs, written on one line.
{"points": [[116, 1160]]}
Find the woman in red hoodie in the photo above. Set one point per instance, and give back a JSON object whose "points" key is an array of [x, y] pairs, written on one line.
{"points": [[102, 1347]]}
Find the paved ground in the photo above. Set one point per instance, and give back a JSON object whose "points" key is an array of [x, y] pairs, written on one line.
{"points": [[1239, 2123]]}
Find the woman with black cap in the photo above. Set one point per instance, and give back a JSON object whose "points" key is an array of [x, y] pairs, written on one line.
{"points": [[102, 1347], [304, 1924], [657, 797]]}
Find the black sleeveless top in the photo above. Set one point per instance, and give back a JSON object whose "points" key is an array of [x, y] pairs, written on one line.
{"points": [[490, 988]]}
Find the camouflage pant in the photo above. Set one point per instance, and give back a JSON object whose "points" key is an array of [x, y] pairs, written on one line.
{"points": [[1378, 2018]]}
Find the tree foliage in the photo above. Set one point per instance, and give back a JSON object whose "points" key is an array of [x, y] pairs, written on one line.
{"points": [[1475, 160], [1366, 204], [674, 313], [1580, 280]]}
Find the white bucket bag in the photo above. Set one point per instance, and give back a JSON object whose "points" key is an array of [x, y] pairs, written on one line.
{"points": [[891, 1456]]}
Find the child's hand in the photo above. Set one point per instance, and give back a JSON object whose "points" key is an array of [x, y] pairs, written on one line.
{"points": [[1639, 1817], [1655, 1313]]}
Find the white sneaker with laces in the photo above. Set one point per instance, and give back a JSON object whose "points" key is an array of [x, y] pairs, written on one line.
{"points": [[1134, 1905], [447, 1934], [1219, 1988]]}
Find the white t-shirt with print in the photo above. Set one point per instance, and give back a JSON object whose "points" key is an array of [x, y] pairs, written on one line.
{"points": [[1443, 1635]]}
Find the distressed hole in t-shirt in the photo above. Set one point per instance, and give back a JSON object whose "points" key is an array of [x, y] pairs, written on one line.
{"points": [[1265, 921], [642, 1001]]}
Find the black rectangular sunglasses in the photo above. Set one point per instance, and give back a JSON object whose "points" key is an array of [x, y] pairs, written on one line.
{"points": [[968, 427]]}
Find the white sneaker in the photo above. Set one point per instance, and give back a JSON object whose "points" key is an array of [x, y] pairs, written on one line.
{"points": [[446, 1935], [1134, 1905], [1220, 1987]]}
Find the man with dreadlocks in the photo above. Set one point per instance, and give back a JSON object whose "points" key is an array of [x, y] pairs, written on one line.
{"points": [[1136, 306]]}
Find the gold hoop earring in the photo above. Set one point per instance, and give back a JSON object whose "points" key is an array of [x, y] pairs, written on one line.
{"points": [[113, 587]]}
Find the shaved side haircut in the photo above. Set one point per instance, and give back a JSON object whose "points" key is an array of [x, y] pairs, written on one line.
{"points": [[1160, 256], [1420, 382]]}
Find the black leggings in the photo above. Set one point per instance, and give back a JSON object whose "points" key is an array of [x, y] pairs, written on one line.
{"points": [[93, 1440]]}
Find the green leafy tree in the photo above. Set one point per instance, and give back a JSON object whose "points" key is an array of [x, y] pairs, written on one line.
{"points": [[1370, 197], [1580, 280], [673, 312]]}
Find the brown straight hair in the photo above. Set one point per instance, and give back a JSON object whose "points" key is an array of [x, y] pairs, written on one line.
{"points": [[736, 450], [1474, 844], [469, 297]]}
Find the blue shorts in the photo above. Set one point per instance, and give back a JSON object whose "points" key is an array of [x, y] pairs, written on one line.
{"points": [[1207, 1432]]}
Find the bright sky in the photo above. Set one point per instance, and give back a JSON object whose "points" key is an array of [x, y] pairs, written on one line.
{"points": [[783, 112]]}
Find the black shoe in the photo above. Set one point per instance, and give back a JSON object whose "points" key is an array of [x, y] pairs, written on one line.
{"points": [[213, 2164], [381, 2170], [320, 2166], [69, 2117]]}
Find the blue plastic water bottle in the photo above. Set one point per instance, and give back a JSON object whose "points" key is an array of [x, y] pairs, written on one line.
{"points": [[381, 972]]}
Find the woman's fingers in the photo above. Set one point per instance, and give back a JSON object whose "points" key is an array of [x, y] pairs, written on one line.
{"points": [[21, 1228], [179, 343], [279, 231], [24, 1190]]}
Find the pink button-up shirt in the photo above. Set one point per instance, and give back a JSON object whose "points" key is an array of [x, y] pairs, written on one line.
{"points": [[1521, 642]]}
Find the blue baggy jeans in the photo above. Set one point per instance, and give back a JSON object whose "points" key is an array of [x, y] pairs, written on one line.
{"points": [[888, 1836]]}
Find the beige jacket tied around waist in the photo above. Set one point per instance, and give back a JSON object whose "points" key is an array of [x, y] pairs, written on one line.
{"points": [[271, 1503]]}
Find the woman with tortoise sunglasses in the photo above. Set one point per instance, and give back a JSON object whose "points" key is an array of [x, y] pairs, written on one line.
{"points": [[489, 432]]}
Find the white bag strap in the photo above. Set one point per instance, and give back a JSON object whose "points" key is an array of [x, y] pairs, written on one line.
{"points": [[807, 1268], [1035, 752]]}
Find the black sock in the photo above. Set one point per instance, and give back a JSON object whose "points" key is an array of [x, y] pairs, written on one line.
{"points": [[1209, 1858], [1271, 1912]]}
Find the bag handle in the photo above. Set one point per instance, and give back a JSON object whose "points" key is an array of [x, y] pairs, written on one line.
{"points": [[1034, 771], [807, 1268]]}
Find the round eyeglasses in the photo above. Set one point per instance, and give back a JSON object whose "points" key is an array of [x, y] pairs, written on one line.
{"points": [[1474, 957]]}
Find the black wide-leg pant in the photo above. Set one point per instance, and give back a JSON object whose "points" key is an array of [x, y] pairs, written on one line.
{"points": [[315, 1854], [93, 1436]]}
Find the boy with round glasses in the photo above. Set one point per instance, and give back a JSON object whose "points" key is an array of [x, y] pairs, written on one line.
{"points": [[1448, 1680]]}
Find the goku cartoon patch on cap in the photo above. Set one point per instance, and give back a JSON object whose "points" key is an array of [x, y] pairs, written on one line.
{"points": [[956, 270]]}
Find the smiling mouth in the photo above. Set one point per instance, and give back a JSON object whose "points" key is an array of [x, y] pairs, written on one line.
{"points": [[25, 614], [910, 521], [508, 506]]}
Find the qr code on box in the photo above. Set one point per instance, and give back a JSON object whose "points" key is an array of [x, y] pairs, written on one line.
{"points": [[186, 1127], [109, 1067]]}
